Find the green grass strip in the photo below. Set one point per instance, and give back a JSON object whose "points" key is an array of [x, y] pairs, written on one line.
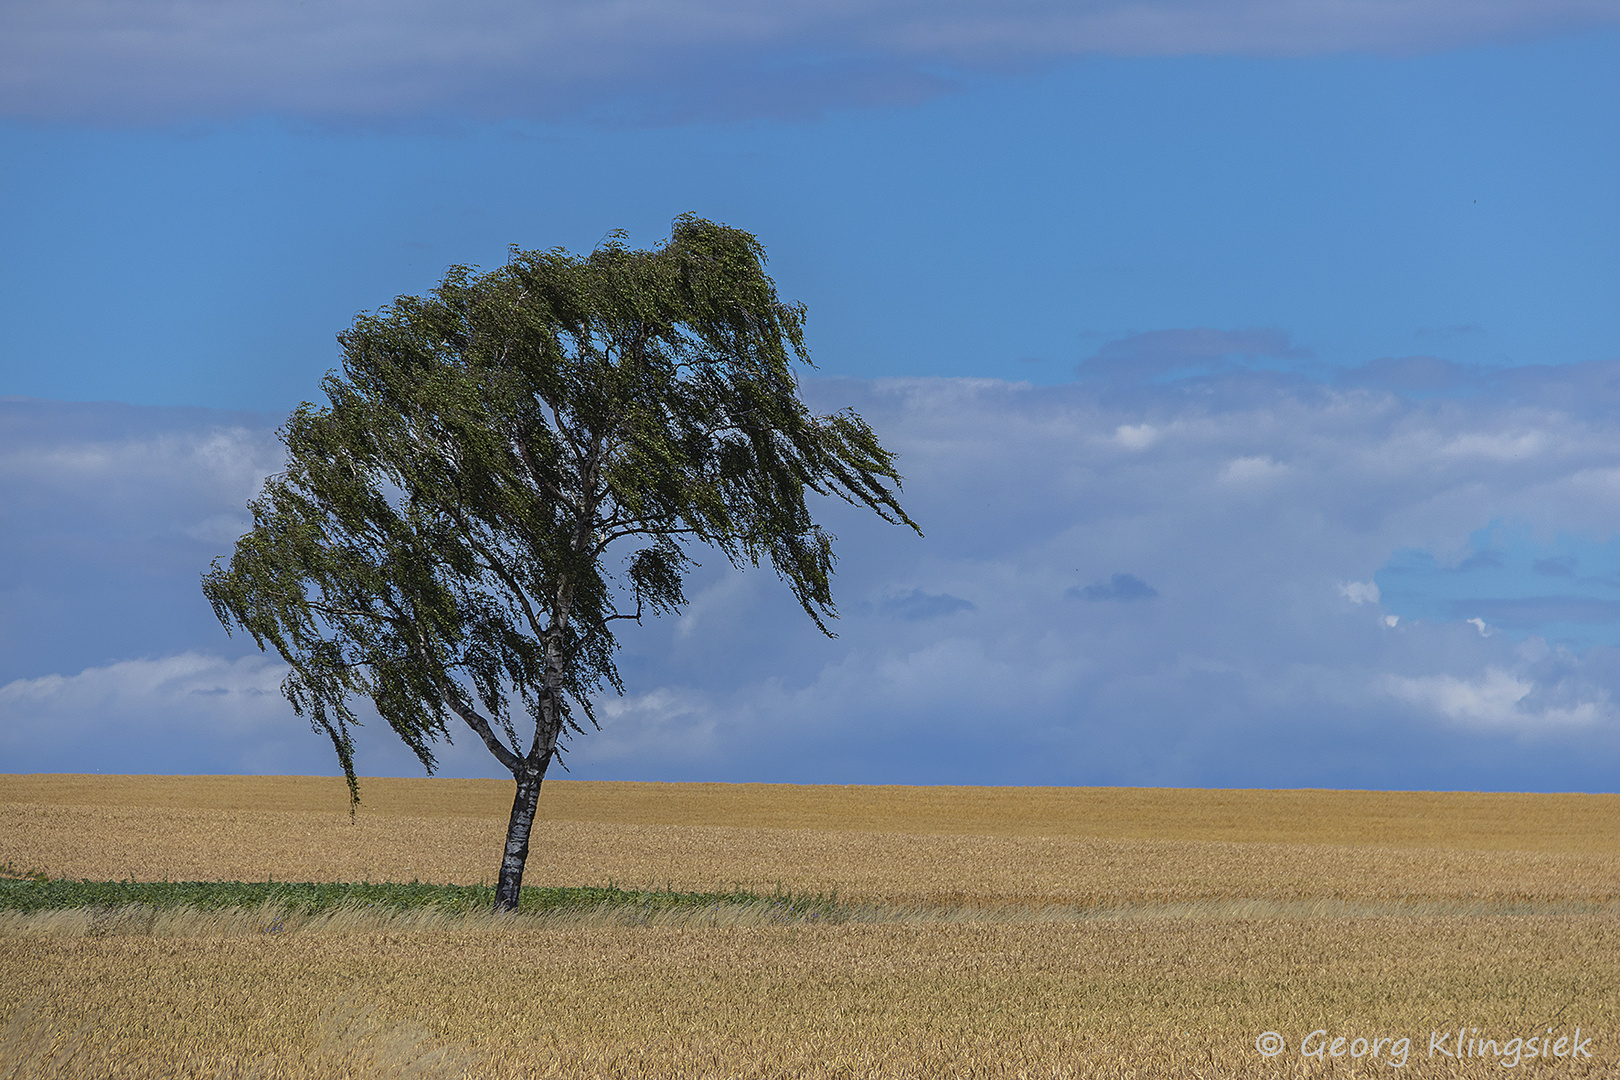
{"points": [[35, 894]]}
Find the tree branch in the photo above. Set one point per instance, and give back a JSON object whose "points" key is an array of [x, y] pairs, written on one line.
{"points": [[351, 613], [480, 725], [619, 615], [639, 530], [532, 467], [495, 567]]}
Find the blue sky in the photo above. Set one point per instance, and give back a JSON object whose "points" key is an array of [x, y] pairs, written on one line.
{"points": [[1253, 366]]}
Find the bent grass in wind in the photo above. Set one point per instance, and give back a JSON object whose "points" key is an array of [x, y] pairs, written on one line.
{"points": [[975, 932]]}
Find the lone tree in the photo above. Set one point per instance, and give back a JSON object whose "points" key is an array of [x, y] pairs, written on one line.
{"points": [[518, 460]]}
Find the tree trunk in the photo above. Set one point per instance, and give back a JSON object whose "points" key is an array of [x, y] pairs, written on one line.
{"points": [[547, 730], [518, 828]]}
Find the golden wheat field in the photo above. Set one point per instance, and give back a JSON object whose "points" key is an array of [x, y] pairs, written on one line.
{"points": [[1008, 933]]}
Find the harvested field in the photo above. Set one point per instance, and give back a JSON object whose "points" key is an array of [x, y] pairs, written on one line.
{"points": [[1028, 933], [932, 846], [1158, 998], [1472, 821]]}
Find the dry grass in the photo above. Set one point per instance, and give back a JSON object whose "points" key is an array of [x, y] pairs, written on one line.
{"points": [[1465, 821], [1238, 913], [1033, 847], [1099, 998]]}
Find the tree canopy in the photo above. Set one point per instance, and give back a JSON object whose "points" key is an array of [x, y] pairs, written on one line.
{"points": [[511, 464]]}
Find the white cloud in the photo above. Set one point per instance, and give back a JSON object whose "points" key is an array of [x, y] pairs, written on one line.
{"points": [[1496, 698], [150, 469], [1252, 470], [111, 514], [236, 456], [172, 680], [675, 722], [1491, 699], [1243, 669], [1025, 496], [160, 712], [1360, 592], [191, 713], [1136, 436], [141, 61]]}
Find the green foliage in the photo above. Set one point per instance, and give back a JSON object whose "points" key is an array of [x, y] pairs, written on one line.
{"points": [[512, 463], [10, 871], [34, 894]]}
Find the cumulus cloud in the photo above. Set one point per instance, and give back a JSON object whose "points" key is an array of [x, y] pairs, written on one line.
{"points": [[1271, 655], [1136, 436], [1249, 666], [1493, 698], [112, 512], [1359, 592], [140, 61], [1501, 699], [153, 711], [1255, 469], [187, 713]]}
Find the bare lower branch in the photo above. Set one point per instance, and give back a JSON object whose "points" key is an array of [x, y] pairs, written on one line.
{"points": [[620, 615], [480, 725]]}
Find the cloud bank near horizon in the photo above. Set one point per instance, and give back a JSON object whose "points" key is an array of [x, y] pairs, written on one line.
{"points": [[1202, 582], [116, 62]]}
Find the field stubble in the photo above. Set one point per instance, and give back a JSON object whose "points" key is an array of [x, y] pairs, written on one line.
{"points": [[1048, 937]]}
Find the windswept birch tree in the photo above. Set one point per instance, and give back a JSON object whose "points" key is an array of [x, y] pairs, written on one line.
{"points": [[512, 464]]}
